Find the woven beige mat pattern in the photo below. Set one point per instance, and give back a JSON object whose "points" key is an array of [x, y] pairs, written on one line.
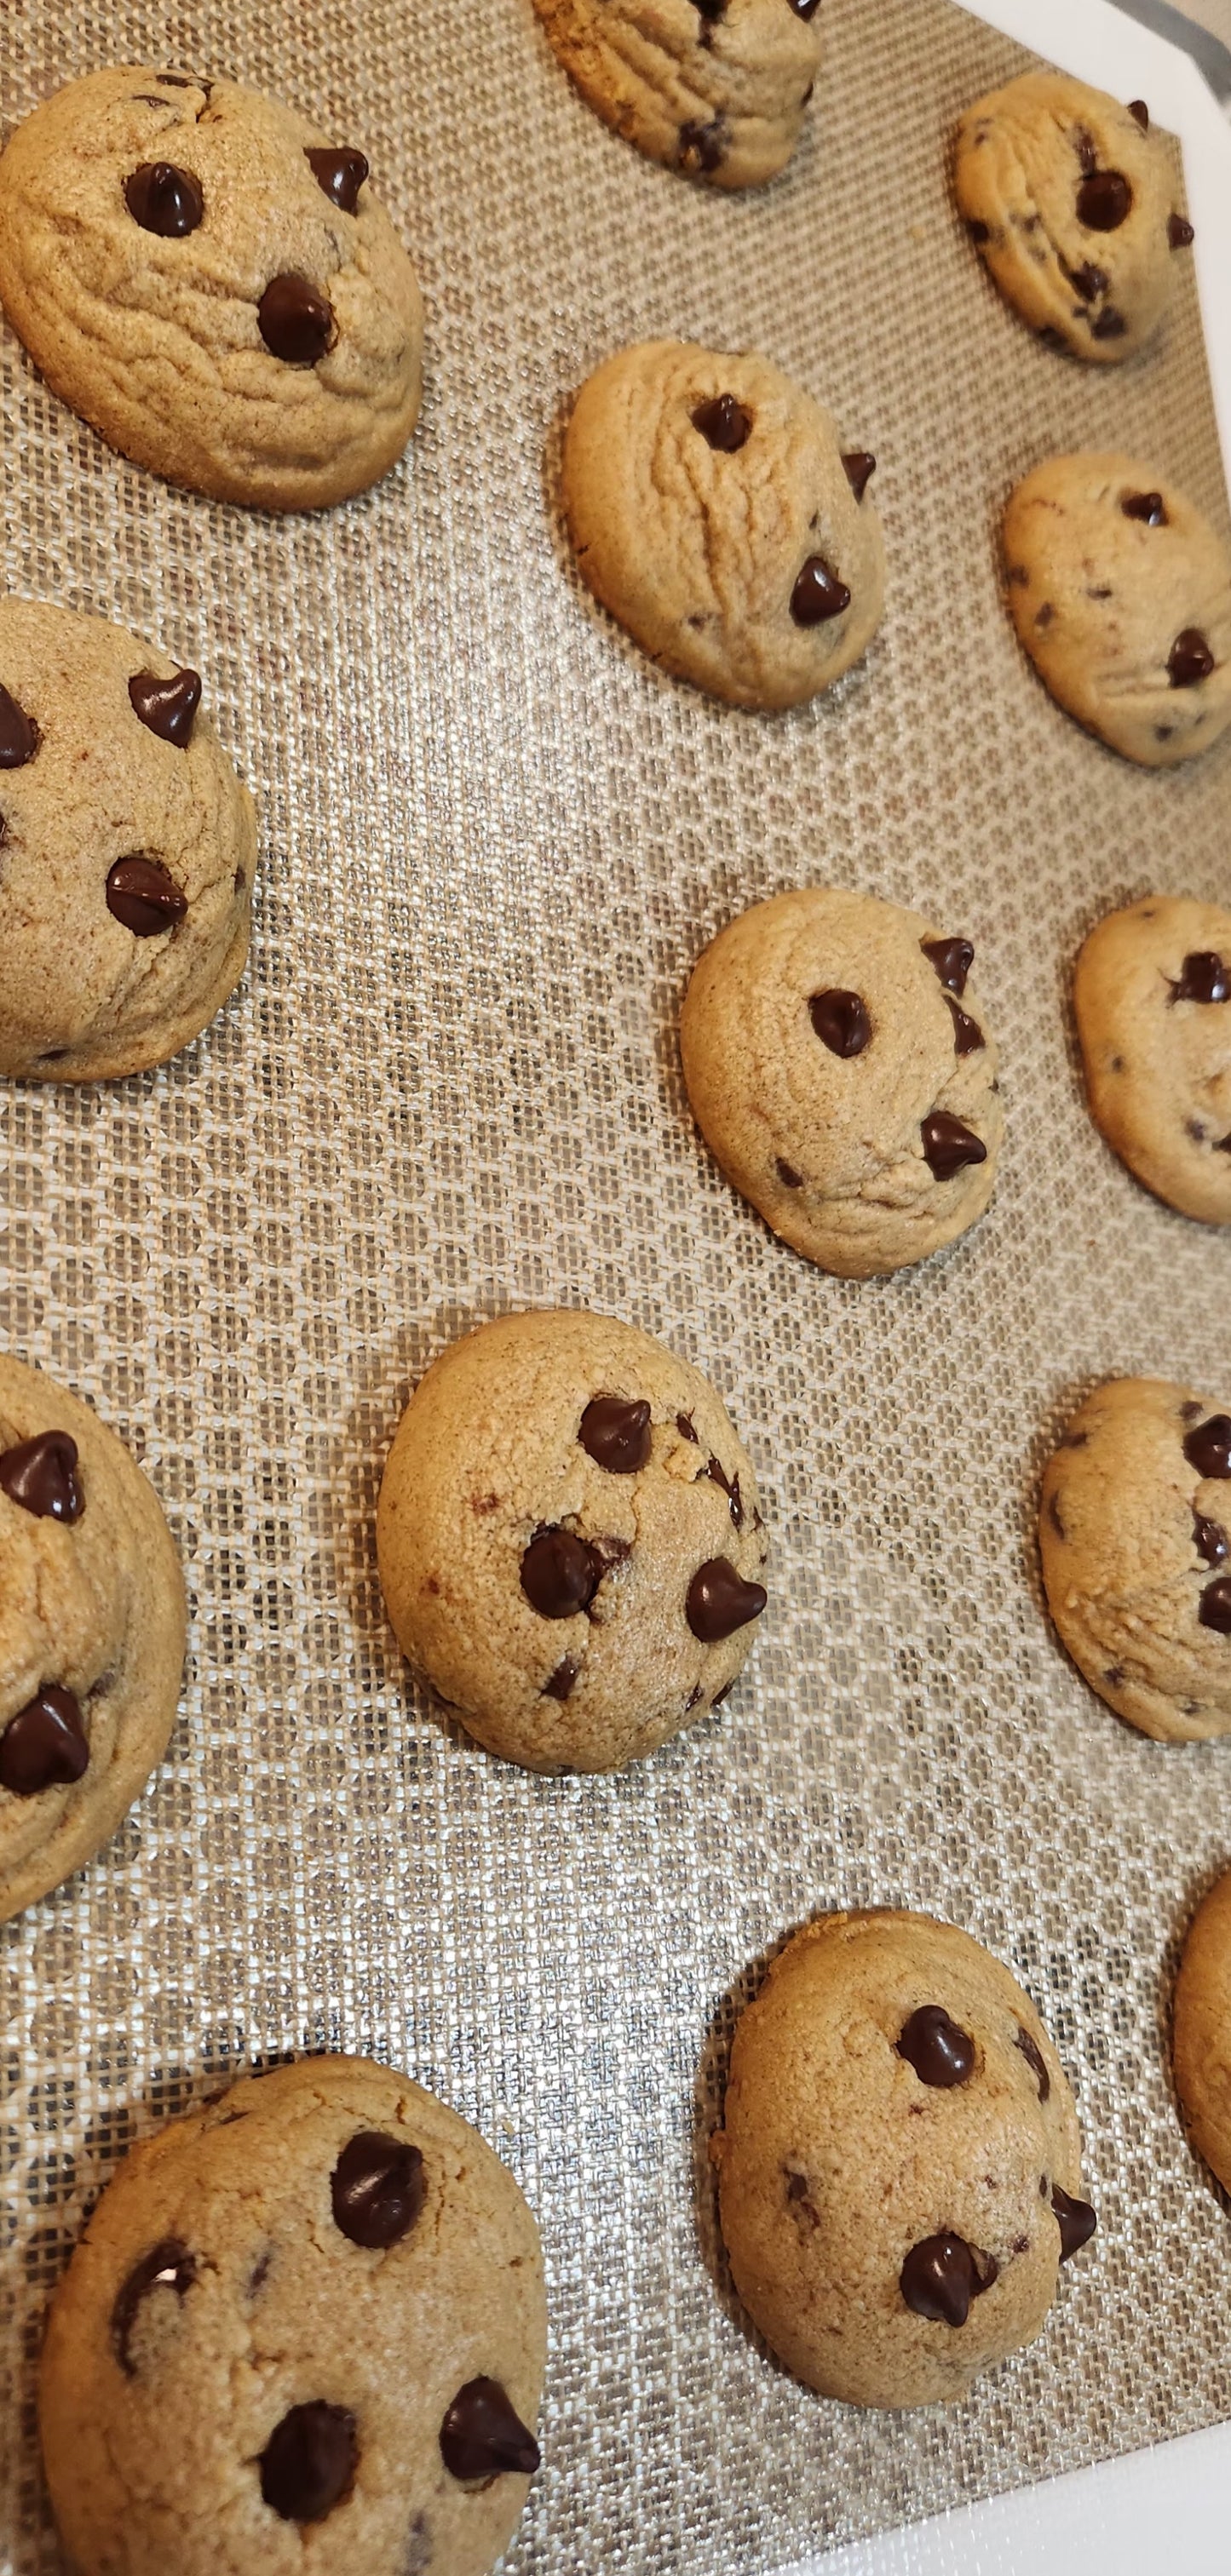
{"points": [[493, 842]]}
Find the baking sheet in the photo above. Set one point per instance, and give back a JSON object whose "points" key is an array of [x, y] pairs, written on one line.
{"points": [[493, 841]]}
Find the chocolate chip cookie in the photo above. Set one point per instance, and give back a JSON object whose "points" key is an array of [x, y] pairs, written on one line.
{"points": [[715, 88], [1152, 994], [209, 280], [1121, 593], [127, 851], [570, 1540], [1071, 200], [714, 511], [304, 2327], [92, 1631], [1201, 2033], [1134, 1532], [900, 2162], [840, 1069]]}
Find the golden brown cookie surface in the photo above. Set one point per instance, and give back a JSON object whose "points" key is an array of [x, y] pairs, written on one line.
{"points": [[717, 89], [1152, 995]]}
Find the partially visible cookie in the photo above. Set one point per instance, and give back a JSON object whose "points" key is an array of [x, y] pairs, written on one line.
{"points": [[92, 1632], [900, 2162], [570, 1541], [127, 851], [1135, 1535], [1071, 200], [840, 1069], [1201, 2031], [208, 279], [304, 2328], [715, 88], [1152, 994], [1121, 593], [713, 511]]}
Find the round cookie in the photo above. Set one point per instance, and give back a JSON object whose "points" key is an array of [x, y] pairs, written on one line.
{"points": [[713, 511], [715, 88], [304, 2327], [1071, 200], [900, 2161], [1121, 594], [570, 1541], [127, 851], [1201, 2032], [1152, 994], [208, 279], [840, 1070], [92, 1634], [1135, 1534]]}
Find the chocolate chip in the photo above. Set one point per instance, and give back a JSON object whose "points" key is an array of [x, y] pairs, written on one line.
{"points": [[483, 2434], [1104, 200], [19, 735], [45, 1745], [378, 2189], [949, 1144], [979, 232], [1108, 325], [1214, 1610], [719, 1601], [1223, 1146], [615, 1433], [1204, 977], [1208, 1448], [168, 2266], [952, 959], [167, 706], [559, 1685], [1137, 107], [341, 173], [787, 1174], [841, 1022], [1190, 659], [559, 1574], [143, 896], [941, 2052], [1179, 232], [805, 8], [818, 594], [703, 147], [859, 469], [684, 1425], [607, 1552], [296, 321], [710, 10], [1077, 2222], [724, 423], [1033, 2055], [1147, 506], [967, 1035], [41, 1475], [1087, 281], [164, 199], [718, 1476], [309, 2462], [942, 2275]]}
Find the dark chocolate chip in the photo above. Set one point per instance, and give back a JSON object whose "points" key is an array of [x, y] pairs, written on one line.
{"points": [[483, 2434], [45, 1745], [684, 1425], [296, 320], [41, 1475], [1104, 201], [1077, 2222], [787, 1174], [1190, 659], [1215, 1606], [1223, 1146], [710, 10], [719, 1601], [167, 706], [1204, 977], [967, 1035], [941, 2052], [859, 469], [559, 1685], [607, 1552], [1108, 325], [841, 1022], [309, 2462], [164, 199], [1147, 506], [615, 1433], [340, 172], [818, 594], [718, 1476], [1055, 1517], [143, 896], [949, 1144], [942, 2275], [378, 2189], [19, 735], [952, 959], [1179, 232], [979, 232], [560, 1574], [1137, 107], [168, 2266], [1087, 281], [724, 423], [805, 8], [1033, 2055], [1208, 1448], [703, 147]]}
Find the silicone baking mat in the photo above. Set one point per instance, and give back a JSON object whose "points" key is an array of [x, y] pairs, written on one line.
{"points": [[494, 840]]}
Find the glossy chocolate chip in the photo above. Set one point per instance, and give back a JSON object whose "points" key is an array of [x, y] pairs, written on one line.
{"points": [[340, 172], [942, 2275], [1104, 200], [718, 1476], [41, 1475], [805, 8], [1146, 506], [1208, 1448], [723, 423], [144, 897], [482, 2434], [1109, 324], [1209, 1539], [719, 1601], [841, 1022], [309, 2462], [1077, 2222], [615, 1433], [703, 147], [787, 1174], [296, 320], [1033, 2055], [1215, 1606], [19, 735], [967, 1035], [559, 1574], [1190, 659], [952, 959], [167, 707], [378, 2189], [949, 1144], [45, 1745], [1137, 107], [168, 2266], [1179, 232], [685, 1426], [818, 594], [1087, 281], [1204, 977], [164, 199], [559, 1684], [941, 2052], [859, 469]]}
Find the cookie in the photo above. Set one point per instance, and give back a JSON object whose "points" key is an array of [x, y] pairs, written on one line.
{"points": [[1201, 2032], [127, 851], [1071, 200], [1121, 593], [1152, 994], [899, 2168], [840, 1069], [92, 1633], [1135, 1533], [209, 280], [570, 1541], [713, 511], [715, 88], [304, 2327]]}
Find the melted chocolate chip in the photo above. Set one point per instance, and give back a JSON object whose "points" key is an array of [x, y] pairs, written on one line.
{"points": [[718, 1476], [703, 147], [979, 231], [615, 1433], [1208, 1448], [841, 1022], [1056, 1517], [949, 1145], [684, 1425], [710, 10], [1108, 325], [1077, 2222], [967, 1035], [1204, 977], [560, 1574], [859, 469], [1146, 506], [787, 1174], [167, 707], [1210, 1541], [1179, 232], [296, 320], [19, 735], [805, 8], [41, 1475], [818, 594], [559, 1685], [482, 2434], [1137, 107], [719, 1601], [952, 959], [1087, 281], [942, 2275], [941, 2052], [168, 2266], [341, 173], [309, 2462], [724, 423], [1033, 2055], [1190, 659], [378, 2189], [164, 199], [1214, 1610], [1104, 200], [45, 1745], [144, 897]]}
